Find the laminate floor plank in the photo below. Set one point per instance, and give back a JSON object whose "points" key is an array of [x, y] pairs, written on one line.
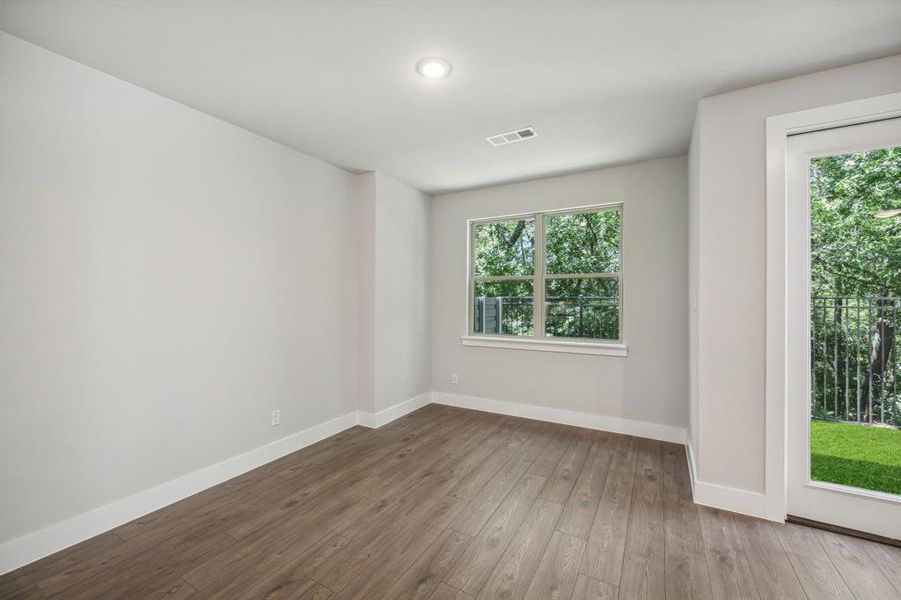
{"points": [[514, 571], [606, 545], [483, 505], [686, 561], [561, 480], [819, 578], [888, 559], [382, 562], [414, 511], [424, 577], [555, 577], [728, 568], [579, 510], [479, 477], [486, 549], [850, 557], [801, 540], [643, 575], [447, 592], [274, 573], [447, 503], [588, 588], [551, 453], [773, 573]]}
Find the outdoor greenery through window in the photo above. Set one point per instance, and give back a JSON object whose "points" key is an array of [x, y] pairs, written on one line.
{"points": [[548, 275], [855, 279]]}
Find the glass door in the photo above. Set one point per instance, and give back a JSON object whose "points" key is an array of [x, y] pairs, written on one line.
{"points": [[844, 314]]}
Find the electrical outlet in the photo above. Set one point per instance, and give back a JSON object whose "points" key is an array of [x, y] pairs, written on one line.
{"points": [[454, 379], [275, 418]]}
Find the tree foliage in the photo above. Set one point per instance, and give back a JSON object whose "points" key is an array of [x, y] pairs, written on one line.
{"points": [[583, 243], [853, 253], [505, 248]]}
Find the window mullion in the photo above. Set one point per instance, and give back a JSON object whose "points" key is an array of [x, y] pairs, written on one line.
{"points": [[538, 281]]}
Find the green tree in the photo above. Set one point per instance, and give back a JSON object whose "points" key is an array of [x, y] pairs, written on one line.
{"points": [[852, 251]]}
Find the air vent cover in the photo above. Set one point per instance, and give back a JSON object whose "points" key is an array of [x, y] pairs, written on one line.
{"points": [[511, 136]]}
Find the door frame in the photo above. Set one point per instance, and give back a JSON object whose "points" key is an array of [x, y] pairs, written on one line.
{"points": [[778, 128]]}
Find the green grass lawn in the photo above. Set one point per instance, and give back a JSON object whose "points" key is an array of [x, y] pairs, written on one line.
{"points": [[856, 455]]}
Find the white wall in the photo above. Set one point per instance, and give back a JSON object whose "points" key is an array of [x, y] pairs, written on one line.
{"points": [[694, 257], [364, 232], [651, 384], [402, 218], [167, 279], [393, 259], [729, 176]]}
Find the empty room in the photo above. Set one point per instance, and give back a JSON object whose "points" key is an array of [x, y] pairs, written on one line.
{"points": [[450, 300]]}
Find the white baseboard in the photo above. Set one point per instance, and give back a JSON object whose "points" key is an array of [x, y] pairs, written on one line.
{"points": [[383, 417], [723, 497], [38, 544], [654, 431], [732, 499]]}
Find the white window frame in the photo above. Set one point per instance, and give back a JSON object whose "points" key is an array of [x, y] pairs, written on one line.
{"points": [[539, 278]]}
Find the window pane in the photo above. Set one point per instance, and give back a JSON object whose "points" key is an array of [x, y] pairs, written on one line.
{"points": [[505, 248], [503, 307], [583, 243], [582, 308]]}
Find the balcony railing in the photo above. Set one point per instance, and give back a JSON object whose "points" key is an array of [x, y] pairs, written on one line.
{"points": [[595, 317], [855, 366]]}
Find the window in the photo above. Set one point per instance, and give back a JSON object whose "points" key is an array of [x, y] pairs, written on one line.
{"points": [[551, 276]]}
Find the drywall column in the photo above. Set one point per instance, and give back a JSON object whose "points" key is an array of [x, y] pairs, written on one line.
{"points": [[392, 229]]}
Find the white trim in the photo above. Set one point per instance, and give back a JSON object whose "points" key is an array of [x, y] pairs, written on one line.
{"points": [[546, 345], [383, 417], [854, 491], [777, 130], [612, 205], [692, 465], [654, 431], [38, 544], [735, 500]]}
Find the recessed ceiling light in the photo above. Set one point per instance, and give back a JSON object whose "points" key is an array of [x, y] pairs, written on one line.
{"points": [[433, 68]]}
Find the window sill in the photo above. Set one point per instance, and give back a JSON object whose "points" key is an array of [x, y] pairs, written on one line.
{"points": [[565, 346]]}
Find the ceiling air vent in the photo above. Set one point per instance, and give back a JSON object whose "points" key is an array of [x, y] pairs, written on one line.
{"points": [[511, 136]]}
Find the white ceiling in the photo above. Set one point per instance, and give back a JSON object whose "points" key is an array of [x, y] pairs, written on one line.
{"points": [[602, 82]]}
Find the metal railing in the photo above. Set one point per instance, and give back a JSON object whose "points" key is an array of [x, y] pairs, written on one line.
{"points": [[594, 317], [855, 365], [506, 315]]}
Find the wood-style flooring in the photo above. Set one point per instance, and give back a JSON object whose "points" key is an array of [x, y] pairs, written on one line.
{"points": [[447, 503]]}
